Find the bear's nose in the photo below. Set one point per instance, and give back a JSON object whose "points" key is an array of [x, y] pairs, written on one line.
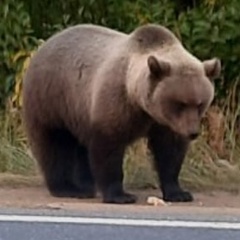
{"points": [[193, 136]]}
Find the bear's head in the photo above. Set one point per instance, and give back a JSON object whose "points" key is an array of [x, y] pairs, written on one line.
{"points": [[169, 84], [179, 95]]}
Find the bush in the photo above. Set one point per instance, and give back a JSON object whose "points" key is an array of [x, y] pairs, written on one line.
{"points": [[15, 38], [211, 32]]}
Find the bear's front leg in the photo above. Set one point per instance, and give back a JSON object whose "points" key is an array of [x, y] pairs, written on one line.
{"points": [[169, 150], [106, 158]]}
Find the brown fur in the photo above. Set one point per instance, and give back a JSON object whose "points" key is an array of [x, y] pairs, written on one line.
{"points": [[149, 37], [90, 91]]}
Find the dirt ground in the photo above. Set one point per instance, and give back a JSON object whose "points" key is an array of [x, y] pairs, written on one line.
{"points": [[28, 192]]}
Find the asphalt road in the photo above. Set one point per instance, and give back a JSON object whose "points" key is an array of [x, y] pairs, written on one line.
{"points": [[120, 223]]}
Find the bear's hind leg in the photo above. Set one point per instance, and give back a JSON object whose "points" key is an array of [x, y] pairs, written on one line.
{"points": [[169, 150], [82, 175], [55, 152]]}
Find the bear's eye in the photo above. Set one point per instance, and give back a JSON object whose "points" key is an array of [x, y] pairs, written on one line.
{"points": [[180, 106]]}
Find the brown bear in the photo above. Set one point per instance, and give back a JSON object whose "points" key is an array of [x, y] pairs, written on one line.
{"points": [[91, 91]]}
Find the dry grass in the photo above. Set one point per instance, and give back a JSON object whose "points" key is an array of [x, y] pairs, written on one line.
{"points": [[20, 180], [14, 156], [202, 170], [138, 167]]}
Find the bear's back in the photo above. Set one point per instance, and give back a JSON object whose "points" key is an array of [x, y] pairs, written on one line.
{"points": [[82, 43]]}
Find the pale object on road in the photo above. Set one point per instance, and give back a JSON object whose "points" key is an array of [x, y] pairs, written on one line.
{"points": [[155, 201]]}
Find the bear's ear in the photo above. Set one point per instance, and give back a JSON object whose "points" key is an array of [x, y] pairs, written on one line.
{"points": [[158, 69], [212, 68]]}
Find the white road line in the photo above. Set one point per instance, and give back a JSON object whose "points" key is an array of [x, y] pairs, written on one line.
{"points": [[121, 222]]}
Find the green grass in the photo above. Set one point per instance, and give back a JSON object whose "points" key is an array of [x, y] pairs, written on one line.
{"points": [[14, 155]]}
